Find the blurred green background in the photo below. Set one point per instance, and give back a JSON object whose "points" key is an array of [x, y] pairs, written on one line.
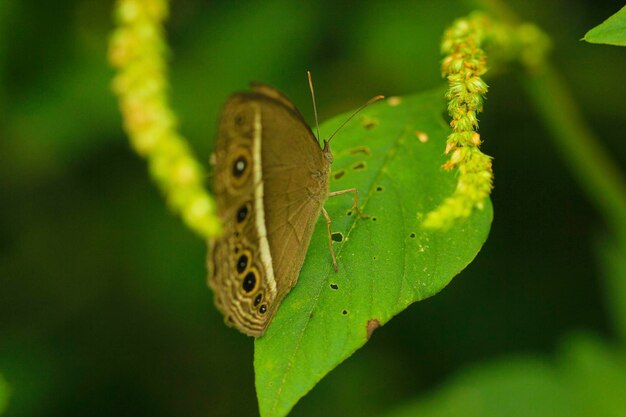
{"points": [[104, 310]]}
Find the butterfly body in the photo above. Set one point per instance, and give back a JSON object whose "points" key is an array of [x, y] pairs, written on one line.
{"points": [[271, 180]]}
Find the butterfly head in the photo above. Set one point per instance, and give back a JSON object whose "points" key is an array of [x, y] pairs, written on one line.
{"points": [[327, 152]]}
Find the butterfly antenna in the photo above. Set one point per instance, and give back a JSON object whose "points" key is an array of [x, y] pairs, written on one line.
{"points": [[317, 124], [357, 111]]}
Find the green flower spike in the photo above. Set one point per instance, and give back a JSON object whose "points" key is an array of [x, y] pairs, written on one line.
{"points": [[464, 64], [137, 49]]}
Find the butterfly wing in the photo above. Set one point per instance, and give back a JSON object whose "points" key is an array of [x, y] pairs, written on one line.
{"points": [[236, 273], [295, 177], [271, 179]]}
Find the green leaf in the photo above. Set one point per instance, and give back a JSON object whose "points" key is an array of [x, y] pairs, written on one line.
{"points": [[386, 262], [520, 387], [596, 374], [4, 395], [611, 32], [588, 380]]}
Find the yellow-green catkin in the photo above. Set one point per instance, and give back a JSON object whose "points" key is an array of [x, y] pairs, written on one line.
{"points": [[464, 64], [137, 50]]}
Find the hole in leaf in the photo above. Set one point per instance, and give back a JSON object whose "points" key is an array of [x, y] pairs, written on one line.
{"points": [[337, 237], [361, 149], [412, 235], [374, 219], [339, 174], [334, 286], [349, 213], [379, 188], [359, 166], [344, 312]]}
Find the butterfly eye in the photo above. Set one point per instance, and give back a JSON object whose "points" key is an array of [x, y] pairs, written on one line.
{"points": [[242, 213], [239, 166], [242, 263], [258, 299], [249, 281]]}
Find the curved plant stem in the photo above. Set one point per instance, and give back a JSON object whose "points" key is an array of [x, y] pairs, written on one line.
{"points": [[598, 175]]}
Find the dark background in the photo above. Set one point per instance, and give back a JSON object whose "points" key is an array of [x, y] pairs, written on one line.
{"points": [[104, 310]]}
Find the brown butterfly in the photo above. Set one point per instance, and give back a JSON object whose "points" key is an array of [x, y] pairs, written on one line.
{"points": [[271, 178]]}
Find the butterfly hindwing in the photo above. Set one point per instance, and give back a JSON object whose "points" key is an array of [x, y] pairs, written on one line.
{"points": [[237, 275]]}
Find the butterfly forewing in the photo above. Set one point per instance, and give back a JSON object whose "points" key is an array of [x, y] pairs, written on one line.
{"points": [[295, 176]]}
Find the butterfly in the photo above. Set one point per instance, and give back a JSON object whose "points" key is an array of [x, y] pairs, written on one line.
{"points": [[271, 178]]}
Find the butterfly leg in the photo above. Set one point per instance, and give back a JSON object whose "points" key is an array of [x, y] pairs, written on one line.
{"points": [[330, 238], [355, 206]]}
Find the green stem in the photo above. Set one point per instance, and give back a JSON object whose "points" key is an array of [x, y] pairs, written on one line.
{"points": [[598, 175]]}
